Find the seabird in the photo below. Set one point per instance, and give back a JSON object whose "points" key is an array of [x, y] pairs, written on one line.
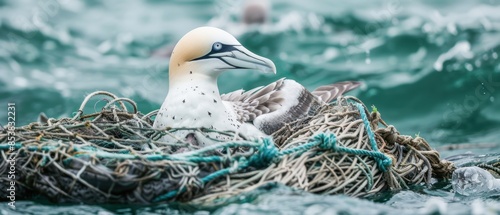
{"points": [[193, 98]]}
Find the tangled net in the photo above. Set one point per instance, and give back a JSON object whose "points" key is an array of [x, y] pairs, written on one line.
{"points": [[115, 156]]}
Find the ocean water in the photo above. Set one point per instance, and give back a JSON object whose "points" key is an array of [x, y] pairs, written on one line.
{"points": [[431, 68]]}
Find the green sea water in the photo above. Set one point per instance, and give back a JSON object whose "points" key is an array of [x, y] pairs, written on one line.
{"points": [[431, 68]]}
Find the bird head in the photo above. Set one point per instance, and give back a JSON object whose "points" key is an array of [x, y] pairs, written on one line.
{"points": [[209, 51]]}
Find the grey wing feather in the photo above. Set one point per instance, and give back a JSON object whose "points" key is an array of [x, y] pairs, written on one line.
{"points": [[330, 92], [250, 104], [269, 108]]}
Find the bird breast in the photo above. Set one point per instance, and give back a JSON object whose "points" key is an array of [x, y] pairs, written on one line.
{"points": [[195, 107]]}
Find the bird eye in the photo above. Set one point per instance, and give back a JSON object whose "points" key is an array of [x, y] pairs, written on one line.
{"points": [[217, 46]]}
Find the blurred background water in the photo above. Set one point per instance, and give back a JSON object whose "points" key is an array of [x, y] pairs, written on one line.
{"points": [[431, 68]]}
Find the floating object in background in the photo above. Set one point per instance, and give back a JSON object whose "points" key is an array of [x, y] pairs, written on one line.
{"points": [[101, 158], [193, 98], [251, 13], [255, 12], [475, 181]]}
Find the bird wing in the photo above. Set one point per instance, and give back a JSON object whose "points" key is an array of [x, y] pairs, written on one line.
{"points": [[327, 93], [256, 102], [271, 107]]}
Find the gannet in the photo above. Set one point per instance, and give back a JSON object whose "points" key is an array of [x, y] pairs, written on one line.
{"points": [[193, 98]]}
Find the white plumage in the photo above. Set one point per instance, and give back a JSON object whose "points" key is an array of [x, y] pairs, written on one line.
{"points": [[193, 99]]}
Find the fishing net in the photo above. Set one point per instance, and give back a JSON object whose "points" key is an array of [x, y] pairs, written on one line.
{"points": [[115, 156]]}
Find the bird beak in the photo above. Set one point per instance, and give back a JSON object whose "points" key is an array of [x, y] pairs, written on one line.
{"points": [[245, 59], [238, 57]]}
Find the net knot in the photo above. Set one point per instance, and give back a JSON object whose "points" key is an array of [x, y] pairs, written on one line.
{"points": [[267, 154], [384, 163], [326, 141]]}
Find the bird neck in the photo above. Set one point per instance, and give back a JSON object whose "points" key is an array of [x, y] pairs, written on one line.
{"points": [[188, 72], [193, 81]]}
